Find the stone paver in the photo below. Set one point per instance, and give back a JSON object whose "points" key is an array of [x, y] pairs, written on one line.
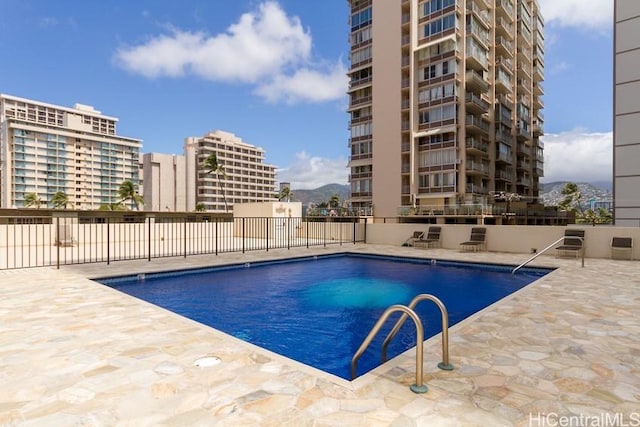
{"points": [[76, 353]]}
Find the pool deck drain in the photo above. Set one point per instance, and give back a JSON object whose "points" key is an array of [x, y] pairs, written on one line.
{"points": [[74, 352]]}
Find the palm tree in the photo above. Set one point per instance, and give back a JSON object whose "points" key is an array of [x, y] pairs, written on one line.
{"points": [[31, 199], [334, 202], [59, 199], [200, 207], [214, 167], [127, 192], [286, 194], [572, 197]]}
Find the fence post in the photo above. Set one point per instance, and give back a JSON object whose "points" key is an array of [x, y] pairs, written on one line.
{"points": [[185, 237], [108, 241], [324, 232], [354, 230], [57, 243], [216, 239], [288, 233], [267, 233], [242, 234], [149, 238]]}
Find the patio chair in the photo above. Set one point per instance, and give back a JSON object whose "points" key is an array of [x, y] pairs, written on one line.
{"points": [[477, 241], [417, 235], [622, 245], [432, 240], [573, 243]]}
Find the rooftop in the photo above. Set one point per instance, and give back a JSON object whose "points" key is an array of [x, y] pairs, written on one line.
{"points": [[74, 352]]}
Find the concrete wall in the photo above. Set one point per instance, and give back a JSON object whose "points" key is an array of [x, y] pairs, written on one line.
{"points": [[626, 140], [509, 238]]}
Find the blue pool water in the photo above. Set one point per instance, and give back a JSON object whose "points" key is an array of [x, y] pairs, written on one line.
{"points": [[319, 310]]}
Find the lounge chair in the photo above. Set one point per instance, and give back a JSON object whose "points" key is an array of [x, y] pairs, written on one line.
{"points": [[477, 240], [432, 240], [622, 245], [573, 243], [417, 235]]}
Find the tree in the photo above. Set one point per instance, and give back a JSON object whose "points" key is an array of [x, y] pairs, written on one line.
{"points": [[127, 192], [200, 207], [572, 203], [31, 199], [334, 201], [212, 166], [285, 194], [59, 200], [572, 199]]}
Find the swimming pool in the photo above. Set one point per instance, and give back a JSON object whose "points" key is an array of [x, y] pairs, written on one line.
{"points": [[318, 310]]}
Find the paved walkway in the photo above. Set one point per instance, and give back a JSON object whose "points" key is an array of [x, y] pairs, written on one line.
{"points": [[76, 353]]}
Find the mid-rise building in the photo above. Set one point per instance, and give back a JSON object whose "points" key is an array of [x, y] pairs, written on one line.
{"points": [[445, 102], [626, 127], [246, 178], [46, 149], [164, 182]]}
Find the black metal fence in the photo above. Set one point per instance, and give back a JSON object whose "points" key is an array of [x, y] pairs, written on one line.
{"points": [[47, 241]]}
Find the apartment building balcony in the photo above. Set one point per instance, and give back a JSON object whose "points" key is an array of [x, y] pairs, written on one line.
{"points": [[405, 40], [524, 33], [522, 133], [477, 59], [504, 28], [474, 167], [524, 70], [405, 146], [538, 71], [477, 124], [503, 175], [405, 168], [476, 81], [359, 102], [504, 137], [505, 158], [475, 104], [503, 119], [476, 189], [538, 128], [405, 103], [523, 165], [538, 89], [505, 63], [504, 47], [405, 83], [538, 168], [524, 149], [405, 61], [355, 84], [503, 83], [524, 54], [523, 180], [482, 14], [504, 9], [406, 18], [475, 145], [538, 103], [524, 85]]}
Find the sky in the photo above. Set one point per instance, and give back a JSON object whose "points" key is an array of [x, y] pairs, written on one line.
{"points": [[273, 72]]}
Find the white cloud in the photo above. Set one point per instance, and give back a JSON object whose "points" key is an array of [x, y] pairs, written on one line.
{"points": [[265, 47], [588, 14], [578, 156], [307, 172], [307, 85]]}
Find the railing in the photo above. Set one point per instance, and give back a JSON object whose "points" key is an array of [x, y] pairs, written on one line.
{"points": [[47, 241], [551, 246], [418, 387]]}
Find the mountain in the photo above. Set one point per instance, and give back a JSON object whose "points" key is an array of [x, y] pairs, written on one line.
{"points": [[321, 194], [551, 192]]}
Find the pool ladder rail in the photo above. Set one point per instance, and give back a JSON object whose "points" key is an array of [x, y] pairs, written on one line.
{"points": [[408, 311]]}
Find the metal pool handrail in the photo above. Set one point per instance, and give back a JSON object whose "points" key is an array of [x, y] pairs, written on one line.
{"points": [[550, 247], [418, 387], [445, 365]]}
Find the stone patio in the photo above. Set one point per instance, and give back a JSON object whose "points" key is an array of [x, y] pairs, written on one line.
{"points": [[77, 353]]}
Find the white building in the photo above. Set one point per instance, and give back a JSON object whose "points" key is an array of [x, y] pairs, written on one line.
{"points": [[246, 178], [46, 149]]}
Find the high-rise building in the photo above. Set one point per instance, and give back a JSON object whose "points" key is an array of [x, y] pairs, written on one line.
{"points": [[626, 127], [164, 182], [445, 102], [47, 149], [245, 177]]}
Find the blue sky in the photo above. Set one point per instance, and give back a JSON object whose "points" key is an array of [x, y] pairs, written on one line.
{"points": [[273, 73]]}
